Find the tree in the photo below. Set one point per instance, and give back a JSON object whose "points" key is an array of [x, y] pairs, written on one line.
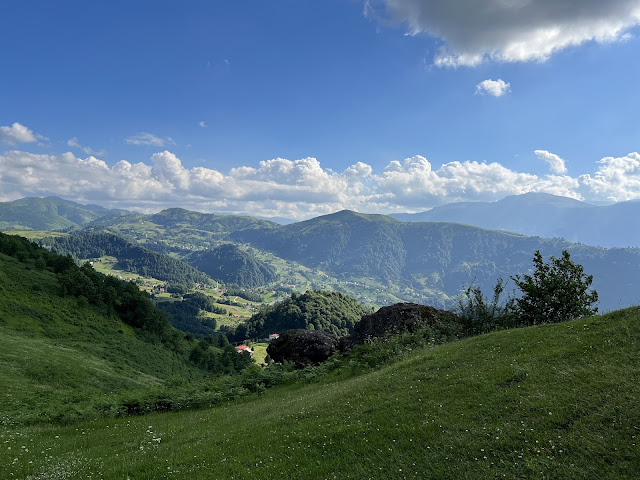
{"points": [[557, 291]]}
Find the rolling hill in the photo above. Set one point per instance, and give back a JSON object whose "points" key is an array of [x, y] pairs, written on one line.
{"points": [[231, 265], [381, 260], [437, 258], [51, 213], [554, 401], [131, 257], [60, 347]]}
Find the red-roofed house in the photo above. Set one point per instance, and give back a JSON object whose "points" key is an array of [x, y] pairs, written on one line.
{"points": [[244, 348], [274, 336]]}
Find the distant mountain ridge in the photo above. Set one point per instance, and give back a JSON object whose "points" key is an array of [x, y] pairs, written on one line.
{"points": [[390, 260], [50, 213], [544, 215]]}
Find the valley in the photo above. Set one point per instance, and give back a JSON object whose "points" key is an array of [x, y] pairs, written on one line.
{"points": [[93, 390]]}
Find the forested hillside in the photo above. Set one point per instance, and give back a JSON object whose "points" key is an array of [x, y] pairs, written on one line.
{"points": [[437, 258], [231, 265], [131, 258], [330, 311], [72, 335], [375, 258]]}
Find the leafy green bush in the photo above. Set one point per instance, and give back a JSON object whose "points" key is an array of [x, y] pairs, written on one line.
{"points": [[557, 291]]}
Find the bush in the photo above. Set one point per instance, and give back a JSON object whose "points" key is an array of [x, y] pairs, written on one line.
{"points": [[557, 291], [479, 315]]}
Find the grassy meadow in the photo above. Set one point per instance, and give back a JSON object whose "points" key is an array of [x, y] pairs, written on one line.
{"points": [[551, 401]]}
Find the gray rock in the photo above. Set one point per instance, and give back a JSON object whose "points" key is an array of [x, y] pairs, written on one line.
{"points": [[394, 319]]}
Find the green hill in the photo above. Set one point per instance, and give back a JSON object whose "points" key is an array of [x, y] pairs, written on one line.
{"points": [[58, 351], [51, 213], [433, 259], [131, 257], [177, 230], [330, 311], [552, 401], [79, 344], [231, 265]]}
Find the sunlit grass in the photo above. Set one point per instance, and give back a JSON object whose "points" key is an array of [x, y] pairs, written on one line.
{"points": [[555, 401]]}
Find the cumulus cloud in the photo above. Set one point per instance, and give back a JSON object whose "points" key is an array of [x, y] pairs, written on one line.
{"points": [[513, 30], [18, 133], [415, 184], [149, 139], [73, 142], [616, 180], [496, 88], [300, 188], [556, 164]]}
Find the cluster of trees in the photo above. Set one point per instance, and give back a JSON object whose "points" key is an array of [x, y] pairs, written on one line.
{"points": [[236, 291], [215, 354], [130, 257], [313, 310], [230, 264], [186, 315], [557, 291]]}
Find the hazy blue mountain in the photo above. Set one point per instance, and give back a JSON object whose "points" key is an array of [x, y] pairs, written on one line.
{"points": [[544, 215]]}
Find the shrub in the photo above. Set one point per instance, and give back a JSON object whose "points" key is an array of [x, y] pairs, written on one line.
{"points": [[557, 291]]}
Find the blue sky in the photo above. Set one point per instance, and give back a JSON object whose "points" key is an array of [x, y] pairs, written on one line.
{"points": [[300, 107]]}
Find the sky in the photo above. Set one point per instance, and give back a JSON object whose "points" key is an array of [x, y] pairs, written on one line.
{"points": [[298, 108]]}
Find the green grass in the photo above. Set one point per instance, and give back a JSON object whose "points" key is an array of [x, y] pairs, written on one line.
{"points": [[58, 354], [555, 401], [259, 352]]}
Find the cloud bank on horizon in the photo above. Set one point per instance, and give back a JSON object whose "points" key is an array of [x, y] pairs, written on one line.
{"points": [[299, 188], [512, 30]]}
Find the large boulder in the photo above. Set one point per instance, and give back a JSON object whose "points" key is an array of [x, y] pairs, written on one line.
{"points": [[394, 319], [303, 347]]}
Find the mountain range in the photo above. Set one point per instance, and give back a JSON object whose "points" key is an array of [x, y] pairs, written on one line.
{"points": [[544, 215], [377, 258]]}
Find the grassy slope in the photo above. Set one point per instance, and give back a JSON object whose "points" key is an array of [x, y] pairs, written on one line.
{"points": [[57, 351], [545, 402]]}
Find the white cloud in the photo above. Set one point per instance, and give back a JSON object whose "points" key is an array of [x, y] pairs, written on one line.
{"points": [[202, 124], [513, 30], [616, 180], [299, 188], [556, 164], [415, 185], [73, 142], [497, 88], [149, 139], [18, 133]]}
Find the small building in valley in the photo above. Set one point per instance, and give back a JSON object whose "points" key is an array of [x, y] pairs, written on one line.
{"points": [[244, 349]]}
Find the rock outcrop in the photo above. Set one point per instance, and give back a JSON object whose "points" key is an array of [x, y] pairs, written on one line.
{"points": [[394, 319], [303, 347]]}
